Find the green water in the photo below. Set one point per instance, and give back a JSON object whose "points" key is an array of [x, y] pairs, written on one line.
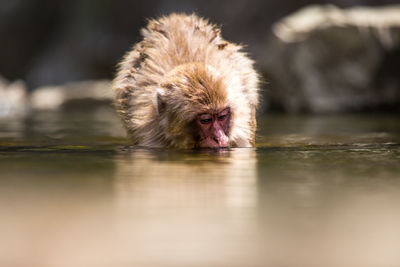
{"points": [[316, 191]]}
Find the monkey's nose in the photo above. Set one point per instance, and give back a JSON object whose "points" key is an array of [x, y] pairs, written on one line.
{"points": [[220, 138], [221, 142], [213, 142]]}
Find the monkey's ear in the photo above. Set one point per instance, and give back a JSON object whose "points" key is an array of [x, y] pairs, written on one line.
{"points": [[158, 100]]}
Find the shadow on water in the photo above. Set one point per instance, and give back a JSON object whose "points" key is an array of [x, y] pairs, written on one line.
{"points": [[316, 191]]}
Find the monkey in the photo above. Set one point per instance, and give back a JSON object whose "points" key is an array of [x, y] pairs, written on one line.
{"points": [[184, 86]]}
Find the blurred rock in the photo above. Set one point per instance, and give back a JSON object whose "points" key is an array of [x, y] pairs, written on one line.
{"points": [[326, 59], [13, 98], [54, 97]]}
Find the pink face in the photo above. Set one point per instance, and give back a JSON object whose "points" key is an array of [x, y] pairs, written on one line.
{"points": [[213, 128]]}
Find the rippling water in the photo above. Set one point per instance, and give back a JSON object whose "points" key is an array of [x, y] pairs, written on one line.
{"points": [[316, 191]]}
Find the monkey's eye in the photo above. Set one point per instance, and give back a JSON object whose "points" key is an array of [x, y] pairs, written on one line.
{"points": [[205, 121], [222, 117]]}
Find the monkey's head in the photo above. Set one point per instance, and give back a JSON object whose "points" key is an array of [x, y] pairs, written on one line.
{"points": [[193, 107]]}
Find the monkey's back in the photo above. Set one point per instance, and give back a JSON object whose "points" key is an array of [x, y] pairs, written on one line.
{"points": [[167, 43]]}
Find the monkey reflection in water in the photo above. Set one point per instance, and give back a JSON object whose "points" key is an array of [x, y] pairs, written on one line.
{"points": [[184, 86], [227, 179], [200, 204]]}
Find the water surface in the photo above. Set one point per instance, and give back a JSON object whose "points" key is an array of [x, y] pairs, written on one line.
{"points": [[316, 191]]}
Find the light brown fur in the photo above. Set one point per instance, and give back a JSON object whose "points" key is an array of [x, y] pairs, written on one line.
{"points": [[181, 68]]}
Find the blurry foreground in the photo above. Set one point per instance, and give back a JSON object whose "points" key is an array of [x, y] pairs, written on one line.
{"points": [[317, 191]]}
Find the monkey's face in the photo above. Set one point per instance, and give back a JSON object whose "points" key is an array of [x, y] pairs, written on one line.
{"points": [[213, 128]]}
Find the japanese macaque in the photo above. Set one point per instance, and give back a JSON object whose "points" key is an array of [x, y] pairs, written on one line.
{"points": [[183, 86]]}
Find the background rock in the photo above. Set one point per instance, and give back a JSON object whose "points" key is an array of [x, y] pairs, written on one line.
{"points": [[54, 97], [326, 59], [13, 99]]}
